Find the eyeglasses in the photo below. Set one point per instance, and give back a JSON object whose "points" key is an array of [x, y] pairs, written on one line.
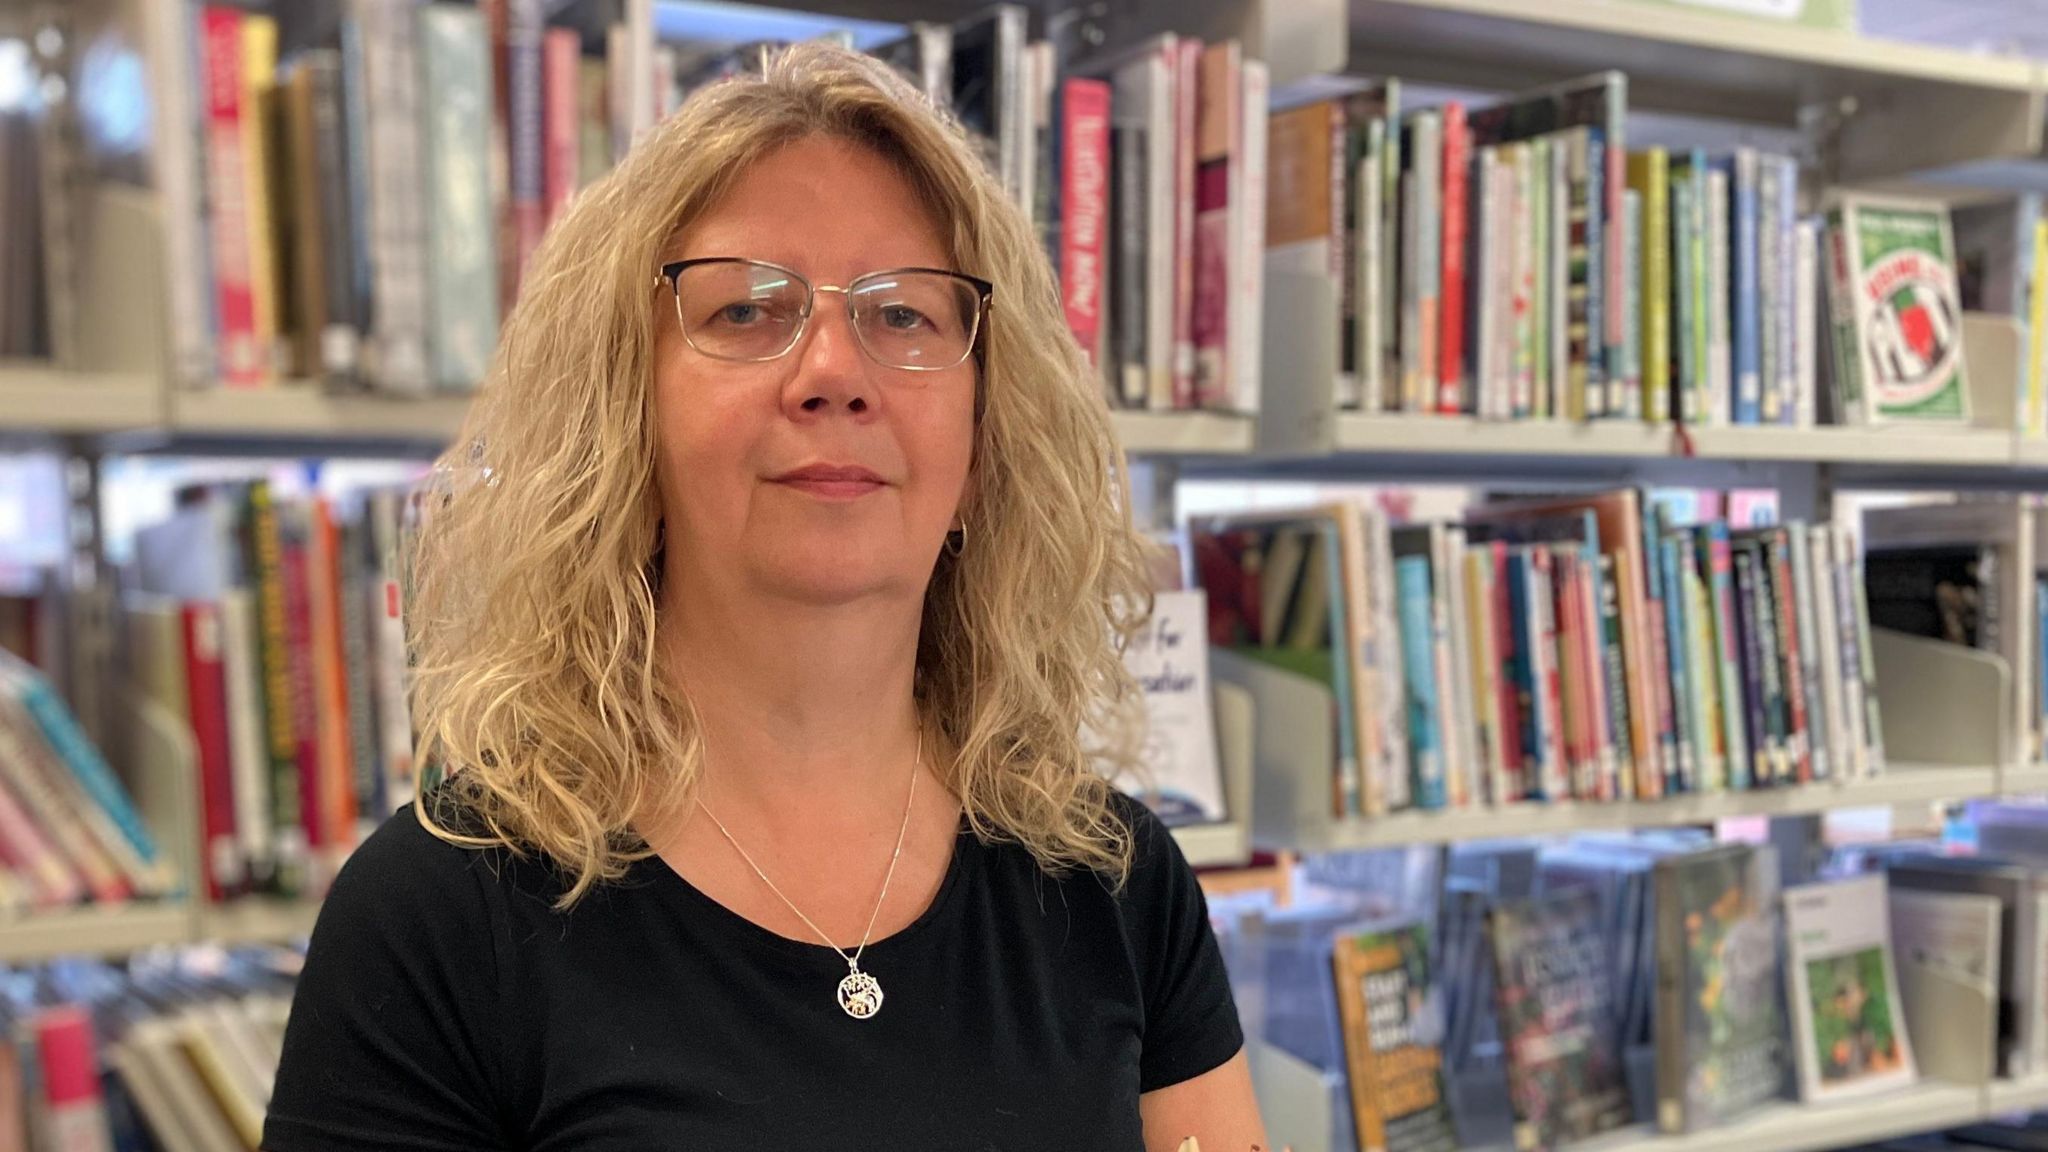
{"points": [[916, 319]]}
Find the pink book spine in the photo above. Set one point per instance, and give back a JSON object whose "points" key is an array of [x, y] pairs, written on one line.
{"points": [[562, 58], [241, 355], [1084, 206], [1450, 360], [1187, 71], [24, 848]]}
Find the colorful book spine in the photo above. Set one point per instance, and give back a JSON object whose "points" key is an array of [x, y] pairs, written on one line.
{"points": [[259, 78], [1246, 313], [1550, 697], [1084, 207], [1784, 236], [1720, 360], [1758, 679], [1216, 130], [1632, 304], [524, 29], [1806, 330], [1686, 367], [178, 159], [89, 769], [1457, 163], [264, 547], [243, 360], [1754, 348], [1620, 780], [1425, 190], [386, 84], [220, 857], [1786, 551], [562, 63], [1418, 657], [1718, 577], [1603, 389], [1678, 662], [1649, 177], [343, 262], [1187, 75]]}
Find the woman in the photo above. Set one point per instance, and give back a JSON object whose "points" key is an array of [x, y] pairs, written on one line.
{"points": [[760, 622]]}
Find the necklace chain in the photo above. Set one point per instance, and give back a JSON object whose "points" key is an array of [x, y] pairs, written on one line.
{"points": [[853, 960]]}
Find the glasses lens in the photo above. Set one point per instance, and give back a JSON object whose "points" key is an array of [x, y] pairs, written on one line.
{"points": [[735, 310], [916, 319]]}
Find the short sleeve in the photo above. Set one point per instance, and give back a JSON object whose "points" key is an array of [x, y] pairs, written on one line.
{"points": [[393, 1038], [1191, 1023]]}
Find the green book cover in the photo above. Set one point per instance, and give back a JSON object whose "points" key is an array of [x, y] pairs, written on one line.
{"points": [[1907, 311]]}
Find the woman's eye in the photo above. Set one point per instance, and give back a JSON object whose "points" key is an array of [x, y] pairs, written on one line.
{"points": [[740, 313], [902, 318]]}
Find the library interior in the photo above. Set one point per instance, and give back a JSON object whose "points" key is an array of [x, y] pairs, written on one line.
{"points": [[1473, 543]]}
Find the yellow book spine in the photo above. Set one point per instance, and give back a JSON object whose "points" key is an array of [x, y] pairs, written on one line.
{"points": [[1649, 175], [259, 102]]}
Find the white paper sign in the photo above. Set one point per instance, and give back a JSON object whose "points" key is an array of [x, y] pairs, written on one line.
{"points": [[1170, 661]]}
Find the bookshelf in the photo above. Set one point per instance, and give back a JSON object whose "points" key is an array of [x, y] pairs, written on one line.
{"points": [[116, 931], [1790, 1127], [302, 410], [40, 398]]}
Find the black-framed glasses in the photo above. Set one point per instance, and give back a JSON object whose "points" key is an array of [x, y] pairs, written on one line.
{"points": [[915, 319]]}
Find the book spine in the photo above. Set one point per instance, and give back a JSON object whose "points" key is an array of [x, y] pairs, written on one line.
{"points": [[1719, 579], [1720, 369], [1453, 650], [177, 153], [1704, 671], [1785, 238], [1827, 654], [352, 85], [1084, 206], [1521, 678], [265, 549], [1567, 672], [1359, 785], [1866, 660], [394, 711], [206, 701], [330, 683], [1216, 132], [340, 237], [1509, 726], [1552, 352], [1755, 346], [1806, 329], [33, 856], [1483, 667], [55, 803], [266, 287], [243, 682], [1396, 765], [1613, 159], [2034, 413], [1457, 164], [1586, 398], [1812, 720], [1525, 274], [593, 122], [1632, 304], [1187, 77], [396, 212], [1700, 205], [305, 697], [1798, 762], [1685, 303], [1759, 672], [352, 588], [1418, 654], [1247, 265], [1616, 710], [562, 64], [1650, 175], [1374, 256], [1773, 345], [1157, 93], [1550, 695], [1603, 389], [1132, 380], [1847, 377], [1672, 1015], [241, 363], [308, 297], [1678, 667], [525, 26], [463, 277], [1427, 172]]}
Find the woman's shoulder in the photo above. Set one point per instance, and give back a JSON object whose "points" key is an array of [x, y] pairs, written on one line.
{"points": [[405, 868]]}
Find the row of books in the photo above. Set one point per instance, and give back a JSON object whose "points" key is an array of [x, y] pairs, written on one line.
{"points": [[177, 1052], [1563, 990], [1577, 648], [273, 628], [360, 208], [69, 829]]}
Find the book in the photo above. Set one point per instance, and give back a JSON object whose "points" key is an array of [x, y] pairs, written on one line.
{"points": [[1946, 946], [1650, 179], [1084, 213], [1386, 999], [1183, 782], [1721, 1038], [1843, 990], [465, 270], [1897, 312], [1554, 999]]}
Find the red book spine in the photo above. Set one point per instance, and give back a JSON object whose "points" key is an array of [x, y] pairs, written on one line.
{"points": [[1450, 323], [206, 696], [298, 625], [1512, 752], [1793, 668], [1187, 74], [1084, 205], [234, 275], [562, 56]]}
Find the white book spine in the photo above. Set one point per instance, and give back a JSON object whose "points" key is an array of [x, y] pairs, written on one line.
{"points": [[180, 186], [1463, 749], [1554, 331], [396, 211], [1522, 301], [246, 753], [1371, 331], [1393, 674], [1248, 241], [1806, 327], [1156, 84]]}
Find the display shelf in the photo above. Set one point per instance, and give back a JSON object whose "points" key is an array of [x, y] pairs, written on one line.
{"points": [[1211, 845], [1904, 784], [2030, 453], [121, 929], [2027, 1094], [1424, 435], [1934, 447], [2024, 780], [42, 399], [1937, 106], [1184, 433], [1795, 1127], [297, 410], [90, 930]]}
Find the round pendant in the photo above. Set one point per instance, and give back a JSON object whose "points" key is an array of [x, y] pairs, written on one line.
{"points": [[860, 995]]}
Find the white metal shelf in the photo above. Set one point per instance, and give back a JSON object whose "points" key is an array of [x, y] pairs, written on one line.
{"points": [[1795, 1127], [1904, 784], [1942, 447], [120, 929], [301, 410], [43, 399], [1184, 433], [1426, 435], [2024, 780], [1213, 845]]}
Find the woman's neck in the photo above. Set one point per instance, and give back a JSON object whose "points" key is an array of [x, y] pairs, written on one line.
{"points": [[800, 705]]}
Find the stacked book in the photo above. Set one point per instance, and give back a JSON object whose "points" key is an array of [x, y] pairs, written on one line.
{"points": [[273, 628], [174, 1052], [1579, 648], [69, 831]]}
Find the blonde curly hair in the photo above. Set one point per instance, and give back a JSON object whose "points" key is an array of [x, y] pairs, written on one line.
{"points": [[537, 679]]}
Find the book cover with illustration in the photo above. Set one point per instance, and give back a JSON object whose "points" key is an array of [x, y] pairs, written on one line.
{"points": [[1393, 1039], [1720, 1031], [1843, 991], [1897, 312], [1553, 993]]}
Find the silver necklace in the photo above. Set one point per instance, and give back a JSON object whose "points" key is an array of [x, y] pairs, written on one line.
{"points": [[860, 995]]}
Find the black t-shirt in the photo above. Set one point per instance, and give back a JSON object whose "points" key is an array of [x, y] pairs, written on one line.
{"points": [[445, 1005]]}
